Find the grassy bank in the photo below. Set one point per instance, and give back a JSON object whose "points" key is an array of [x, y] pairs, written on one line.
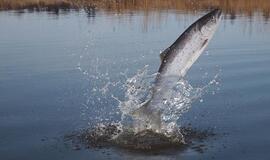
{"points": [[229, 6]]}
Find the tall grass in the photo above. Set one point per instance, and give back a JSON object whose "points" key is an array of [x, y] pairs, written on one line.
{"points": [[229, 6]]}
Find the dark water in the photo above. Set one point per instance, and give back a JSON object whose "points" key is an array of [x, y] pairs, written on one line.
{"points": [[52, 65]]}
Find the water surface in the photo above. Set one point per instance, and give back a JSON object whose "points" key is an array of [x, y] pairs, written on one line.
{"points": [[51, 67]]}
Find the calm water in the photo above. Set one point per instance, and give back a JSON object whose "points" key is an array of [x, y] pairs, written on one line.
{"points": [[51, 67]]}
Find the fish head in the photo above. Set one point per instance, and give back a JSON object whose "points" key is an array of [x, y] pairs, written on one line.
{"points": [[209, 22]]}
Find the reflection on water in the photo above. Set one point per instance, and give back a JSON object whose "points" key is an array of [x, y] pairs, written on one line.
{"points": [[153, 19], [154, 13]]}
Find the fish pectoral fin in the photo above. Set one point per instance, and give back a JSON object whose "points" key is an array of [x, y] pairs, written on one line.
{"points": [[141, 111]]}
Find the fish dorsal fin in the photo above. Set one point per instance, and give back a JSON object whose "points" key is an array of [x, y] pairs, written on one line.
{"points": [[164, 53]]}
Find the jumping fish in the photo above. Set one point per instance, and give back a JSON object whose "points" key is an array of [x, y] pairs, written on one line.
{"points": [[175, 62]]}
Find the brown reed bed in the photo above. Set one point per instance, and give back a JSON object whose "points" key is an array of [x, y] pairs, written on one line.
{"points": [[231, 7]]}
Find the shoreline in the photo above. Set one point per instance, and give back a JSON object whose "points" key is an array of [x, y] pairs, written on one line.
{"points": [[228, 6]]}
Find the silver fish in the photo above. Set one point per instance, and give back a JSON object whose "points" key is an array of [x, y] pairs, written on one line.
{"points": [[176, 60]]}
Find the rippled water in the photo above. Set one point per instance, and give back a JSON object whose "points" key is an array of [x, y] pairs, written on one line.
{"points": [[60, 74]]}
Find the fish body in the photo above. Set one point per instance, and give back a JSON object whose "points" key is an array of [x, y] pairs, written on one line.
{"points": [[176, 60]]}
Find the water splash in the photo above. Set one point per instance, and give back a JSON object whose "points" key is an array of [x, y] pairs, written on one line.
{"points": [[112, 101], [113, 134], [137, 91], [178, 101]]}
